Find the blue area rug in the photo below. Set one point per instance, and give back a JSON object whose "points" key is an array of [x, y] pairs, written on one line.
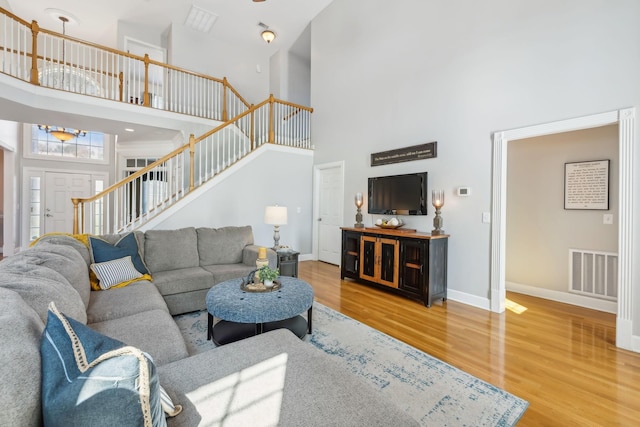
{"points": [[433, 392]]}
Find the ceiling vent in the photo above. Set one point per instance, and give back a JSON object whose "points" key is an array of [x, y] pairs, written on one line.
{"points": [[200, 19]]}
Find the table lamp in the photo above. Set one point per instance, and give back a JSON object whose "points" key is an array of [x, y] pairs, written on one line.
{"points": [[276, 216], [437, 200], [359, 200]]}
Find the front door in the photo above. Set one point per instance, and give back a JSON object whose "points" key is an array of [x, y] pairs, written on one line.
{"points": [[60, 188]]}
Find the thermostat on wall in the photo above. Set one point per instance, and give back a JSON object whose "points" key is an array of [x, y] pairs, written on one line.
{"points": [[464, 191]]}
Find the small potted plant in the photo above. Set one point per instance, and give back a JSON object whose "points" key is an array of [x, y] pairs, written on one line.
{"points": [[268, 275]]}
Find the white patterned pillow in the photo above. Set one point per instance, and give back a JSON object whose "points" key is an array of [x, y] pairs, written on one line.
{"points": [[112, 273], [169, 408]]}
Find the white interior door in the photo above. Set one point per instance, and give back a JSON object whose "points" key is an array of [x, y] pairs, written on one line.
{"points": [[60, 188], [330, 196]]}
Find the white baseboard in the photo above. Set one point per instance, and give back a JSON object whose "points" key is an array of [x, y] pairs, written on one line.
{"points": [[472, 300], [306, 257], [564, 297]]}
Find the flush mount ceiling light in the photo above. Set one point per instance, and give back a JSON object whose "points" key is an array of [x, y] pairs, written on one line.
{"points": [[267, 35], [62, 134], [200, 19], [59, 14]]}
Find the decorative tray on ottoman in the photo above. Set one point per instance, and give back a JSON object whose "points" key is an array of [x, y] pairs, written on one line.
{"points": [[259, 287]]}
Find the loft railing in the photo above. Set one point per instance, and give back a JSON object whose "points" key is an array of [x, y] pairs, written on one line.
{"points": [[46, 58], [141, 196]]}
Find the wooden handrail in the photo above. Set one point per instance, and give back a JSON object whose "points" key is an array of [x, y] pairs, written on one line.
{"points": [[36, 29], [232, 103], [79, 203], [12, 16], [179, 150]]}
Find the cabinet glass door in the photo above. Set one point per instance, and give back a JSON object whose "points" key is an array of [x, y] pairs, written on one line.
{"points": [[368, 257], [388, 262], [412, 265]]}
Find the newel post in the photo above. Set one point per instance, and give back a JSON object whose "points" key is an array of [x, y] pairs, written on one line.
{"points": [[192, 154], [146, 101], [35, 29], [272, 132], [75, 215], [252, 131], [121, 86], [224, 99]]}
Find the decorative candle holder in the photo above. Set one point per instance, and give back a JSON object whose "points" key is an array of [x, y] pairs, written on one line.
{"points": [[437, 200], [359, 200]]}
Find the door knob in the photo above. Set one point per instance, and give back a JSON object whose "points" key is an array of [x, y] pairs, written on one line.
{"points": [[319, 219], [48, 215]]}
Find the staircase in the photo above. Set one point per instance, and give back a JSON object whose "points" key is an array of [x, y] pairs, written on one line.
{"points": [[49, 59]]}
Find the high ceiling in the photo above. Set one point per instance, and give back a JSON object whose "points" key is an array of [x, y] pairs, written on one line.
{"points": [[97, 22], [237, 20]]}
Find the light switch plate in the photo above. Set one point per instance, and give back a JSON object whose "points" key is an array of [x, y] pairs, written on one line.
{"points": [[486, 217], [607, 219]]}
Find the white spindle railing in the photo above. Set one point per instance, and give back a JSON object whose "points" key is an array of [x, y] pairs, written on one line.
{"points": [[55, 60], [144, 194], [15, 41]]}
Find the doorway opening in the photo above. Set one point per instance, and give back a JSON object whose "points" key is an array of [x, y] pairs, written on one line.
{"points": [[625, 119]]}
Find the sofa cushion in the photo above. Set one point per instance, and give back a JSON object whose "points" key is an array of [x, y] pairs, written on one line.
{"points": [[91, 379], [171, 249], [103, 251], [61, 258], [20, 332], [228, 271], [79, 242], [116, 273], [154, 332], [118, 302], [39, 285], [182, 280], [223, 245], [273, 379]]}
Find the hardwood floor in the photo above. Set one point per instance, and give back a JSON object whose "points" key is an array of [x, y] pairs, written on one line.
{"points": [[560, 358]]}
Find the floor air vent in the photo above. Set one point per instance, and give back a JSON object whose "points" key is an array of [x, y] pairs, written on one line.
{"points": [[593, 273]]}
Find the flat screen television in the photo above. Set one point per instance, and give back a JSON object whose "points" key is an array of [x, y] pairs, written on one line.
{"points": [[398, 194]]}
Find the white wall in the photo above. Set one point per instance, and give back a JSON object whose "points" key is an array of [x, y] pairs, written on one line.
{"points": [[386, 75], [540, 231], [299, 84], [192, 50], [272, 175], [9, 141], [140, 33]]}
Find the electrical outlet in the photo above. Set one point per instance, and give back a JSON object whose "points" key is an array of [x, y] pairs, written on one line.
{"points": [[486, 217]]}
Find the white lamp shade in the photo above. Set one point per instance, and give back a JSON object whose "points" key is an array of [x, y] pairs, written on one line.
{"points": [[275, 215]]}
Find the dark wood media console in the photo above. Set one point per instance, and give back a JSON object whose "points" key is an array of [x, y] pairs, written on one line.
{"points": [[410, 263]]}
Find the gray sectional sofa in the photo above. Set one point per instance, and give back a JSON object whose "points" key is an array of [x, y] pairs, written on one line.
{"points": [[270, 379]]}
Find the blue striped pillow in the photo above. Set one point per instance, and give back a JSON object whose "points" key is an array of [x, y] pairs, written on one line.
{"points": [[112, 273]]}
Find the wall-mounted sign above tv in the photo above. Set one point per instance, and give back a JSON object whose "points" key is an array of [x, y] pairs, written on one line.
{"points": [[398, 194], [406, 154]]}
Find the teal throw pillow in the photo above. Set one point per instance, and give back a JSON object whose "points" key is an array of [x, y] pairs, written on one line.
{"points": [[102, 251], [89, 379]]}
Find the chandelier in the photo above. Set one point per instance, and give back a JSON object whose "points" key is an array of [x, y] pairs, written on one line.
{"points": [[62, 134]]}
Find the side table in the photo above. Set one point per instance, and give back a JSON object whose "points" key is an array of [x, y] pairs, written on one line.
{"points": [[288, 263]]}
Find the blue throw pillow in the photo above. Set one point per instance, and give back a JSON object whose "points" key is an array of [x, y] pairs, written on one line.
{"points": [[89, 379], [102, 251]]}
